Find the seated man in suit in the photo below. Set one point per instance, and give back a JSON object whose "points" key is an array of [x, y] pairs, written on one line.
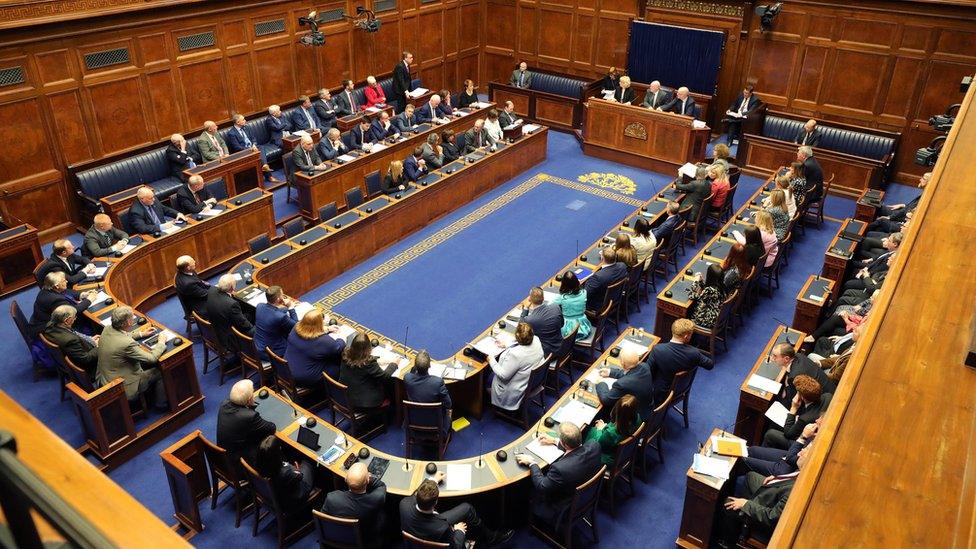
{"points": [[433, 151], [211, 144], [303, 117], [326, 109], [148, 215], [696, 191], [64, 259], [670, 223], [382, 127], [546, 320], [632, 378], [361, 137], [425, 388], [656, 98], [415, 166], [191, 288], [478, 137], [273, 321], [808, 404], [406, 120], [553, 491], [178, 157], [80, 348], [609, 271], [797, 364], [419, 518], [120, 355], [239, 139], [429, 113], [738, 111], [276, 124], [365, 501], [678, 355], [508, 117], [53, 294], [623, 93], [103, 239], [240, 428], [808, 135], [521, 77], [224, 312], [813, 173], [332, 145], [683, 103], [346, 102], [305, 156], [774, 461], [891, 218], [193, 197]]}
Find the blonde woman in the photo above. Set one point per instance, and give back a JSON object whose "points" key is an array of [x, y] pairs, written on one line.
{"points": [[767, 232], [624, 94], [625, 251], [777, 209], [720, 184], [395, 181], [783, 184], [312, 350]]}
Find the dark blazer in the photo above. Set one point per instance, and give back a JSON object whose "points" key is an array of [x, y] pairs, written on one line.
{"points": [[546, 321], [444, 110], [807, 413], [240, 430], [379, 132], [72, 270], [696, 191], [636, 382], [140, 220], [344, 105], [425, 113], [224, 312], [451, 152], [98, 245], [624, 95], [276, 127], [271, 328], [663, 98], [428, 526], [187, 203], [358, 137], [368, 507], [392, 187], [193, 290], [367, 384], [309, 358], [752, 103], [82, 353], [667, 227], [405, 123], [237, 143], [668, 360], [299, 121], [412, 169], [465, 100], [814, 175], [426, 388], [766, 506], [401, 82], [301, 159], [802, 365], [326, 113], [44, 304], [813, 139], [178, 161], [596, 285], [674, 106], [553, 491], [291, 488], [471, 139], [506, 119], [328, 152]]}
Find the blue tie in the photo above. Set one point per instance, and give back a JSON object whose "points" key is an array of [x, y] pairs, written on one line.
{"points": [[152, 214], [247, 142]]}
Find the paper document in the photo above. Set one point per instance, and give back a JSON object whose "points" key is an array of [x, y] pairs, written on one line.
{"points": [[377, 147], [208, 212], [550, 295], [547, 452], [238, 278], [106, 321], [372, 109], [575, 412], [529, 128], [257, 299], [343, 332], [713, 467], [99, 271], [480, 105], [817, 297], [698, 124], [347, 158], [303, 307], [627, 344], [777, 413], [594, 377], [734, 114], [448, 371], [728, 446], [488, 346], [171, 229], [102, 296], [127, 248], [764, 384], [417, 92], [513, 124], [688, 169], [386, 355], [457, 477], [301, 133]]}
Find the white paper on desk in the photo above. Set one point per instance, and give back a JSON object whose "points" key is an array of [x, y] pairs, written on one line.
{"points": [[417, 92], [607, 94], [99, 271], [550, 295], [106, 321], [257, 299], [100, 297], [513, 124], [171, 229], [594, 377], [529, 128], [698, 124], [764, 384], [303, 307], [437, 369], [301, 133], [127, 248], [688, 169], [378, 147], [238, 278], [372, 109], [713, 467], [208, 212], [488, 346], [817, 297], [346, 158], [457, 477], [627, 344], [777, 413], [168, 334], [546, 452], [575, 412], [480, 105], [343, 332], [386, 355]]}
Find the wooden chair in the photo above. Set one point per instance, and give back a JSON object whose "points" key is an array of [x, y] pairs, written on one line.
{"points": [[293, 227], [259, 243], [21, 322], [771, 273], [224, 473], [815, 210], [59, 359], [632, 290], [720, 329], [338, 532], [696, 225], [310, 399], [358, 419], [624, 457], [373, 183], [424, 425], [411, 541], [561, 361], [535, 389], [653, 435], [187, 314], [594, 341], [669, 257], [681, 390], [581, 508], [288, 163], [211, 343], [354, 198], [262, 495], [614, 298], [654, 263], [251, 361], [328, 211]]}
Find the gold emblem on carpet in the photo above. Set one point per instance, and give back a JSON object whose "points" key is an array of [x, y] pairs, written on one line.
{"points": [[616, 182]]}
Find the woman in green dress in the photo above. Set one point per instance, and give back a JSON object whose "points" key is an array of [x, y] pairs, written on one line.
{"points": [[624, 421], [572, 299]]}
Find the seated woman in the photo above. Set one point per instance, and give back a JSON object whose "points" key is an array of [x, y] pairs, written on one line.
{"points": [[446, 108], [512, 368], [493, 127], [468, 95], [375, 97], [783, 184], [572, 299], [610, 80], [624, 420], [449, 146], [722, 153], [798, 182], [624, 94], [291, 483], [720, 184], [777, 209], [735, 267], [625, 252], [395, 181], [764, 234], [312, 350], [361, 372], [708, 296], [643, 241]]}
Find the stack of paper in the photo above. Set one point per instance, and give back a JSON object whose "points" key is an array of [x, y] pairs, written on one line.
{"points": [[417, 92], [343, 332], [127, 248], [575, 412], [594, 377], [713, 467], [764, 384], [457, 477], [547, 452], [99, 298], [99, 271], [301, 133], [171, 229], [346, 158], [777, 413], [550, 295], [303, 307], [688, 169], [529, 128], [372, 109], [209, 212], [627, 344], [378, 147], [257, 299], [488, 346], [697, 124]]}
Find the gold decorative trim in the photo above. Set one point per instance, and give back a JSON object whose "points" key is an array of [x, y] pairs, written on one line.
{"points": [[619, 183], [636, 130], [697, 7]]}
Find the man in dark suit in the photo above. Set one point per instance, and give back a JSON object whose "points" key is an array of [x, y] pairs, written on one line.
{"points": [[305, 156], [683, 103], [382, 127], [51, 296], [670, 223], [656, 97], [798, 364], [738, 111], [273, 321], [224, 312], [326, 109], [891, 218], [276, 124], [813, 173], [80, 348], [402, 81], [419, 518], [191, 288], [521, 77], [609, 271], [696, 191], [148, 215], [546, 320], [553, 491], [331, 146], [808, 404], [361, 135], [774, 461], [430, 113], [345, 102], [193, 196], [406, 120], [303, 117], [508, 117], [63, 259], [178, 157], [102, 239], [415, 167], [632, 378], [808, 135], [365, 501], [423, 387], [670, 359], [478, 137], [239, 138], [240, 428]]}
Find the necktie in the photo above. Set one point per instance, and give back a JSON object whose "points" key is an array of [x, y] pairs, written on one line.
{"points": [[654, 104], [682, 106], [309, 156], [742, 107], [479, 139], [311, 123], [352, 103], [152, 214], [805, 135], [521, 76], [247, 142], [84, 337]]}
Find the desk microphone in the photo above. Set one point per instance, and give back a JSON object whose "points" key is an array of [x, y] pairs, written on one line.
{"points": [[481, 448], [406, 332], [577, 253], [732, 426], [786, 329]]}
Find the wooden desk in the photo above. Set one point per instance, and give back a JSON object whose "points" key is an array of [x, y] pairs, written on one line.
{"points": [[703, 499], [290, 141], [652, 140], [20, 253], [346, 123], [867, 205], [750, 419], [241, 171], [840, 252], [811, 301]]}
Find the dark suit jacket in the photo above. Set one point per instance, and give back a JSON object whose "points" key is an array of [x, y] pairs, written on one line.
{"points": [[300, 158], [471, 139], [596, 285], [546, 321], [766, 506], [235, 142], [506, 119], [367, 384], [328, 152], [464, 100], [624, 95], [97, 245], [308, 358], [379, 132], [428, 526], [187, 203], [240, 430], [675, 106], [553, 491], [451, 152], [326, 113], [275, 127], [344, 105], [72, 271], [667, 227], [271, 328], [358, 136], [44, 304], [300, 122], [82, 353], [412, 169], [737, 104], [444, 110], [807, 413], [664, 97], [140, 220], [696, 191], [193, 290], [178, 161], [814, 176], [427, 388], [392, 187], [223, 311], [368, 507], [401, 82], [802, 365], [425, 113], [668, 360], [636, 382], [813, 140]]}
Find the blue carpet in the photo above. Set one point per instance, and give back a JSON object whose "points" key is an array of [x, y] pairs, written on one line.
{"points": [[508, 262]]}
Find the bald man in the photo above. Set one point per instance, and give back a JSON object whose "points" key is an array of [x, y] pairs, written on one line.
{"points": [[656, 97], [103, 239], [364, 500], [178, 157], [224, 312], [193, 197], [808, 135], [211, 143], [683, 103], [148, 215], [633, 377], [64, 259]]}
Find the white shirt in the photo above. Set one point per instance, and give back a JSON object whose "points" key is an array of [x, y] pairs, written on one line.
{"points": [[494, 130]]}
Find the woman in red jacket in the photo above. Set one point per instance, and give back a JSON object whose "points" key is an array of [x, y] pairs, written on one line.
{"points": [[374, 93]]}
